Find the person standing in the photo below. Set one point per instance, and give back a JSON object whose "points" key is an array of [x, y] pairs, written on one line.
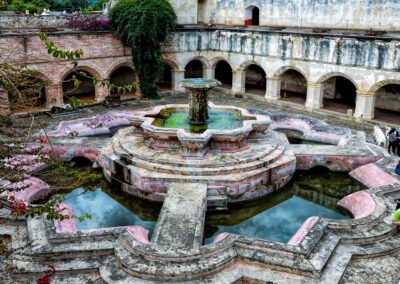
{"points": [[393, 141]]}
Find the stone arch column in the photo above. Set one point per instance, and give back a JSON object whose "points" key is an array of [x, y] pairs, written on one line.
{"points": [[315, 96], [238, 82], [365, 106], [177, 76], [209, 72], [100, 93], [4, 103], [54, 95], [273, 92]]}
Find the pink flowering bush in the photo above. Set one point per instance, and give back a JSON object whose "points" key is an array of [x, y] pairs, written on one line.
{"points": [[88, 23]]}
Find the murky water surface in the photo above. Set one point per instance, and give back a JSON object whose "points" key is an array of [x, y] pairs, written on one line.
{"points": [[276, 217]]}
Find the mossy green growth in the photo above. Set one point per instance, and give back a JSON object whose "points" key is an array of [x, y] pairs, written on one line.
{"points": [[222, 119], [396, 215], [144, 25]]}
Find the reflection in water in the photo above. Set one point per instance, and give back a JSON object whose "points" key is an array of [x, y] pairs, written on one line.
{"points": [[275, 217], [278, 216], [106, 211]]}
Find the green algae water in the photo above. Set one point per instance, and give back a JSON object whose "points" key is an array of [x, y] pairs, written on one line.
{"points": [[221, 119]]}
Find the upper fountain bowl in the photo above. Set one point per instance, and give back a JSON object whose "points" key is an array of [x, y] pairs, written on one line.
{"points": [[200, 83]]}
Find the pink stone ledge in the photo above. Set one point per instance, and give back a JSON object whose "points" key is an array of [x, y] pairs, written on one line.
{"points": [[28, 190], [220, 237], [139, 233], [302, 232], [359, 204], [67, 225], [70, 152], [99, 124], [372, 176]]}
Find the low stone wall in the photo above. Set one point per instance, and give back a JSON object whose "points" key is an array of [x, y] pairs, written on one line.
{"points": [[31, 21]]}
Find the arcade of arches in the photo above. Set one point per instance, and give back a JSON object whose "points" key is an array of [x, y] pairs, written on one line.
{"points": [[334, 93]]}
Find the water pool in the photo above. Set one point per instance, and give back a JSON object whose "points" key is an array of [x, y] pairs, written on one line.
{"points": [[275, 217]]}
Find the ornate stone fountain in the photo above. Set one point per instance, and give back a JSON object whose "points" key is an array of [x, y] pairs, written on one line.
{"points": [[232, 152]]}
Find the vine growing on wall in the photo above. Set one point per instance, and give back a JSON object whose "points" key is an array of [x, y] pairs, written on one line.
{"points": [[144, 25]]}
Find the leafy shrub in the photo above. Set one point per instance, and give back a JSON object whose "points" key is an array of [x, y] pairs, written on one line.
{"points": [[144, 25], [396, 215]]}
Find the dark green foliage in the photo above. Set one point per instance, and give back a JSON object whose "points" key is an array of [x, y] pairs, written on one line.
{"points": [[144, 25]]}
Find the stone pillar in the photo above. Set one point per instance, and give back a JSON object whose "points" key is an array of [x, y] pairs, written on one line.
{"points": [[238, 82], [315, 96], [101, 93], [365, 106], [4, 103], [209, 74], [54, 95], [273, 92], [198, 106], [177, 77]]}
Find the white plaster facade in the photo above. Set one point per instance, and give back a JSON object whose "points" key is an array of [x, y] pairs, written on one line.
{"points": [[346, 14]]}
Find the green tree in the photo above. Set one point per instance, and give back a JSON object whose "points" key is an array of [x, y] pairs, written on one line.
{"points": [[144, 25]]}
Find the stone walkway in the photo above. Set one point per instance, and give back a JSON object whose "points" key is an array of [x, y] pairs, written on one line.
{"points": [[181, 221]]}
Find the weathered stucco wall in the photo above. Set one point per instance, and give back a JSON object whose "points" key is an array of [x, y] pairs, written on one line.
{"points": [[186, 11], [342, 14], [330, 50]]}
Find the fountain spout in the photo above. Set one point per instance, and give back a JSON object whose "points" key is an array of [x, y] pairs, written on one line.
{"points": [[198, 102]]}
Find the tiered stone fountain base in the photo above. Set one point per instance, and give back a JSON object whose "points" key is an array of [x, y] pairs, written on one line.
{"points": [[236, 165]]}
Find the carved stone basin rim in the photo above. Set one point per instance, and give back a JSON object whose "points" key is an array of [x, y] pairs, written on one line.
{"points": [[142, 119]]}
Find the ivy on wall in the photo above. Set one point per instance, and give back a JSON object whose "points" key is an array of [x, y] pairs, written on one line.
{"points": [[144, 25]]}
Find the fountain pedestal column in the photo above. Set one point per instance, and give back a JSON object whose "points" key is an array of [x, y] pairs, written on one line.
{"points": [[198, 106], [198, 103]]}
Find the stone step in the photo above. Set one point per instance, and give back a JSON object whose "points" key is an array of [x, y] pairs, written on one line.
{"points": [[217, 202], [227, 159], [198, 171], [209, 179]]}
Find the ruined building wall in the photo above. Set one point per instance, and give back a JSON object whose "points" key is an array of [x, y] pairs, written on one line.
{"points": [[343, 14]]}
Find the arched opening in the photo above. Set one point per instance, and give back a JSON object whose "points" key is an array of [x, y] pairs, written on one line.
{"points": [[28, 101], [84, 92], [252, 16], [255, 81], [123, 76], [339, 94], [293, 87], [194, 69], [164, 81], [223, 73], [387, 103]]}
